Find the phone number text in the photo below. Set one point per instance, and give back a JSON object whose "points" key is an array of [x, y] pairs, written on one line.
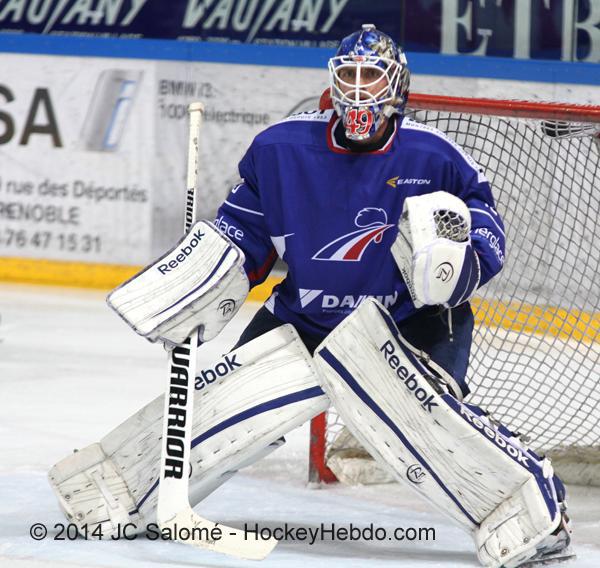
{"points": [[70, 242]]}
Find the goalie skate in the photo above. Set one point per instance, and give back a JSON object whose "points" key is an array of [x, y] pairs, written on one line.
{"points": [[554, 549]]}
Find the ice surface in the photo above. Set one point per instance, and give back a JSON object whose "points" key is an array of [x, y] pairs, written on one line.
{"points": [[70, 370]]}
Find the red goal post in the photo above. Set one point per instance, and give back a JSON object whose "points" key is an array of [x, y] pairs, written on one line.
{"points": [[496, 107], [508, 108], [541, 315]]}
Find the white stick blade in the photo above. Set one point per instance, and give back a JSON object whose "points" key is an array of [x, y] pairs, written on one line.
{"points": [[189, 528]]}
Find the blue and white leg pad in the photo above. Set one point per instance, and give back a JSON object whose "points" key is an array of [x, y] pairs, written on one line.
{"points": [[457, 459], [257, 393]]}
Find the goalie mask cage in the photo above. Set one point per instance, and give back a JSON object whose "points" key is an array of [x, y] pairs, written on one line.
{"points": [[535, 358]]}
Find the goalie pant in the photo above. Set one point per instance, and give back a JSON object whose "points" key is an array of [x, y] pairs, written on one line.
{"points": [[467, 466], [264, 389], [426, 331]]}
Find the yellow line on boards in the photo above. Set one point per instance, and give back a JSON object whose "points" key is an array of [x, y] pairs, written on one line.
{"points": [[64, 273], [572, 324], [515, 316], [87, 275]]}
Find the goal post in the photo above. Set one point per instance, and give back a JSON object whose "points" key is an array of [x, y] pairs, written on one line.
{"points": [[535, 359]]}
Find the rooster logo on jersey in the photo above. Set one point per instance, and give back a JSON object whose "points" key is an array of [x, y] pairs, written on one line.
{"points": [[351, 246]]}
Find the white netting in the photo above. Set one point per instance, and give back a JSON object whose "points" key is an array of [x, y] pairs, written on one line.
{"points": [[535, 362], [450, 225]]}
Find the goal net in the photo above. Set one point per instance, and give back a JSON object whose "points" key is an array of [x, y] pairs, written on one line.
{"points": [[535, 360]]}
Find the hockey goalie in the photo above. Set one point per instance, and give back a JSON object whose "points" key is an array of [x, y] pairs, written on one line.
{"points": [[388, 228]]}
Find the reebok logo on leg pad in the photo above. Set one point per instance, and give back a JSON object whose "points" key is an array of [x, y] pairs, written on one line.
{"points": [[210, 375], [409, 380], [492, 434]]}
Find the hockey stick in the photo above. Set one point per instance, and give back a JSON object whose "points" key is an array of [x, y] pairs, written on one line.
{"points": [[174, 512]]}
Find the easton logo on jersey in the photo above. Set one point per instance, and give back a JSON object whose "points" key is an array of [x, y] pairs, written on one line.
{"points": [[351, 246], [397, 181]]}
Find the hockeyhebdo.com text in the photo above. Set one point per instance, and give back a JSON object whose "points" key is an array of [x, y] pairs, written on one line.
{"points": [[286, 532], [339, 533]]}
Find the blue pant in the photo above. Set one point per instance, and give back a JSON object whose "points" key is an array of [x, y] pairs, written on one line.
{"points": [[427, 330]]}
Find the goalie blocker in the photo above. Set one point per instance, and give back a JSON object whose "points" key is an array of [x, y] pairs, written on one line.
{"points": [[199, 283], [465, 464]]}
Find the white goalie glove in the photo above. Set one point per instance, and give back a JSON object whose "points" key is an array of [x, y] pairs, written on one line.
{"points": [[200, 283], [433, 250]]}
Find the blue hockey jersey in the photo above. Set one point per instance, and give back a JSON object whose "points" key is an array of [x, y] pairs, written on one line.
{"points": [[332, 214]]}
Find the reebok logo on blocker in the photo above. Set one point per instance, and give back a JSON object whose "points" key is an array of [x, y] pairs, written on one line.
{"points": [[182, 254]]}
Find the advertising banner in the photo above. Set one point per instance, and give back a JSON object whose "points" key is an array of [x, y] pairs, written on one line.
{"points": [[75, 142], [316, 23], [92, 151], [240, 101], [566, 30]]}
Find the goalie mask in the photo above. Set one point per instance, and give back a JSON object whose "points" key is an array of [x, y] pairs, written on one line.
{"points": [[369, 81]]}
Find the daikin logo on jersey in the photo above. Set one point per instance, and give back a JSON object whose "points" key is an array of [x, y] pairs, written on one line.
{"points": [[348, 301]]}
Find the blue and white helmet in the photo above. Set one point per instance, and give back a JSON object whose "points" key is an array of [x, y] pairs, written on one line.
{"points": [[363, 60]]}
